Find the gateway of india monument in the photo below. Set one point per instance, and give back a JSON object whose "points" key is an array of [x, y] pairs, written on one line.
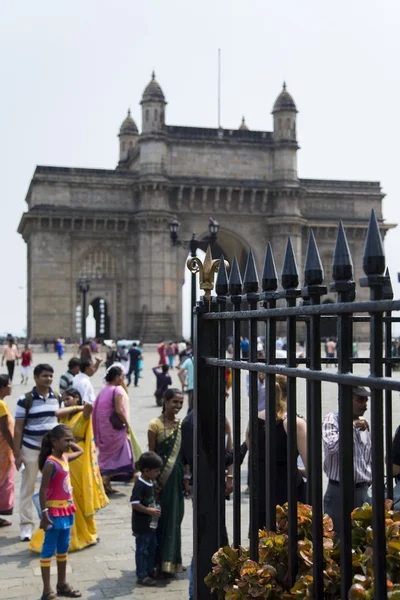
{"points": [[113, 225]]}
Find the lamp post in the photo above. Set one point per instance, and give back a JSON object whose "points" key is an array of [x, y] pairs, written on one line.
{"points": [[193, 245], [84, 287]]}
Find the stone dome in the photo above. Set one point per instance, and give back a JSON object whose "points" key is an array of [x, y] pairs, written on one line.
{"points": [[243, 126], [284, 101], [153, 91], [129, 126]]}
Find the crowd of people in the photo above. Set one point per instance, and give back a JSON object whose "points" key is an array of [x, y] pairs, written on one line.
{"points": [[83, 442]]}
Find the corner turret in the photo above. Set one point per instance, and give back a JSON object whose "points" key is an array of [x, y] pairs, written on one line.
{"points": [[285, 163], [153, 108], [128, 136]]}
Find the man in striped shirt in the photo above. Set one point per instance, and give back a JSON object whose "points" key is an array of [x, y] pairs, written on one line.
{"points": [[33, 418], [361, 456], [67, 378]]}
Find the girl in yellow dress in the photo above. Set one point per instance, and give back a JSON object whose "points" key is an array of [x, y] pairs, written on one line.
{"points": [[88, 490]]}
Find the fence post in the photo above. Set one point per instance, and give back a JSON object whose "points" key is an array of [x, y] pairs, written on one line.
{"points": [[374, 267], [235, 292], [344, 286], [314, 289], [205, 434]]}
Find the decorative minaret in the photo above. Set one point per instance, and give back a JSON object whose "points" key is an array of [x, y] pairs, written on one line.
{"points": [[128, 137], [153, 142], [285, 151], [153, 108]]}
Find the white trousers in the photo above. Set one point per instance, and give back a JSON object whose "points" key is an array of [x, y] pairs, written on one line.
{"points": [[28, 480]]}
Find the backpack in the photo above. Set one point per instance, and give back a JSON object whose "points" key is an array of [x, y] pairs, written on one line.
{"points": [[29, 401]]}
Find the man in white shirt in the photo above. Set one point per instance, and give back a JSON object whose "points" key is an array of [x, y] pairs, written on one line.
{"points": [[362, 459], [82, 381]]}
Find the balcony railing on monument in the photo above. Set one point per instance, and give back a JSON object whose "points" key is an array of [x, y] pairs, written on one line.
{"points": [[261, 316]]}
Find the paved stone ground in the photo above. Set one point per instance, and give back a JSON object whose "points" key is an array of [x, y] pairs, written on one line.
{"points": [[107, 570]]}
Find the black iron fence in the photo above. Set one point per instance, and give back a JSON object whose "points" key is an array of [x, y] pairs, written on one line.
{"points": [[302, 305]]}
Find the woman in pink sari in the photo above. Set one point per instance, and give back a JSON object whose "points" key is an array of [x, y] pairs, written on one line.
{"points": [[7, 465], [114, 445]]}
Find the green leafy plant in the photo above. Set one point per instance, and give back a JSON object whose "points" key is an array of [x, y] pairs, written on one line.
{"points": [[234, 576]]}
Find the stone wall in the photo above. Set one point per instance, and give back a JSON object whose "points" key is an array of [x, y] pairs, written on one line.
{"points": [[223, 161]]}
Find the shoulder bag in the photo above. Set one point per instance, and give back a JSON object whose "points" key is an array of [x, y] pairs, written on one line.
{"points": [[115, 419]]}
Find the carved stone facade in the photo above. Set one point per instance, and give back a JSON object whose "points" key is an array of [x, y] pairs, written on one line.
{"points": [[113, 224]]}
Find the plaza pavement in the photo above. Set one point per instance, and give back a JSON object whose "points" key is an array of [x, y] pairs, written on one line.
{"points": [[108, 569]]}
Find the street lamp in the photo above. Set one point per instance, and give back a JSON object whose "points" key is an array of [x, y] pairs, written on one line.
{"points": [[84, 287], [193, 245]]}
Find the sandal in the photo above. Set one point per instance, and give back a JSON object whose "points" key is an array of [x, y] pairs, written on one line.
{"points": [[49, 596], [5, 523], [68, 591], [148, 581]]}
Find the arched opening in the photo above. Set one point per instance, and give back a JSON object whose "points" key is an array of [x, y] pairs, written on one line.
{"points": [[98, 320]]}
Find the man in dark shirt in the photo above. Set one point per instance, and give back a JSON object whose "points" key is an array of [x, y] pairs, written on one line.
{"points": [[134, 357], [163, 381]]}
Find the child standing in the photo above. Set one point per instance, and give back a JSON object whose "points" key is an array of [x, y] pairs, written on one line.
{"points": [[57, 507], [144, 510]]}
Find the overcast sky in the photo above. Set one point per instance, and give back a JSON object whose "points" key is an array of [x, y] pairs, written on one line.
{"points": [[69, 71]]}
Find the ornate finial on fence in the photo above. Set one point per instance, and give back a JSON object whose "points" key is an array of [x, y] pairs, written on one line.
{"points": [[250, 280], [221, 285], [235, 279], [342, 266], [374, 255], [290, 273], [206, 270], [269, 280], [313, 271]]}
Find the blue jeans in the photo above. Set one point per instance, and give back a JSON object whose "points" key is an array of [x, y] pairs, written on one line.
{"points": [[146, 545]]}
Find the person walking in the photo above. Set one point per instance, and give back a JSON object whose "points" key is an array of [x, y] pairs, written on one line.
{"points": [[162, 353], [134, 357], [88, 490], [82, 382], [163, 381], [60, 345], [170, 352], [111, 431], [57, 507], [26, 362], [140, 362], [186, 376], [66, 380], [123, 358], [362, 459], [244, 347], [7, 462], [11, 356], [144, 514], [164, 436], [36, 414], [330, 349], [111, 355]]}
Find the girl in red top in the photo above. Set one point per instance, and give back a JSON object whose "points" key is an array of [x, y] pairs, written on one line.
{"points": [[26, 361], [57, 506]]}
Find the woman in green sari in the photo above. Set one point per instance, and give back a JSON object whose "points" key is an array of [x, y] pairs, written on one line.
{"points": [[164, 435]]}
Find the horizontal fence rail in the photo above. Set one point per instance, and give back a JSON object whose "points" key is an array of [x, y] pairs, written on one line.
{"points": [[273, 467]]}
